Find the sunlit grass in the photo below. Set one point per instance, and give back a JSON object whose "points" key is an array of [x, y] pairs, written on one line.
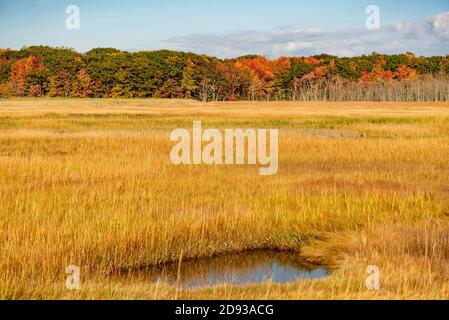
{"points": [[97, 189]]}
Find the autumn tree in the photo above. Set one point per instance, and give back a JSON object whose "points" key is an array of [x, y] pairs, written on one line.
{"points": [[405, 73], [190, 79], [83, 86], [17, 77], [259, 70]]}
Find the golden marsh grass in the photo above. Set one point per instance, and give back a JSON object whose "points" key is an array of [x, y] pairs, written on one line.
{"points": [[90, 183]]}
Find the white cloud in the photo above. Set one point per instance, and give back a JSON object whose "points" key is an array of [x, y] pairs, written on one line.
{"points": [[440, 25], [429, 37]]}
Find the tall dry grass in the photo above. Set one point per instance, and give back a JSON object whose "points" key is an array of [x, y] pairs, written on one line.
{"points": [[97, 189]]}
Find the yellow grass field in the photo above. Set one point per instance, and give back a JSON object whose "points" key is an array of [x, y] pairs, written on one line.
{"points": [[90, 183]]}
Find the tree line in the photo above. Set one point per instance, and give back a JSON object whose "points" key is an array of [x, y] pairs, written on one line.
{"points": [[39, 71]]}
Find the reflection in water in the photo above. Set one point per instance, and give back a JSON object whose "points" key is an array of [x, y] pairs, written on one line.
{"points": [[239, 269]]}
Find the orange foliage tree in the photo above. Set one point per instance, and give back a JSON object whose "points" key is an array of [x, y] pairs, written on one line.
{"points": [[21, 71]]}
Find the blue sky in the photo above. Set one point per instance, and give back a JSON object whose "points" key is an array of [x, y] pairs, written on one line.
{"points": [[231, 27]]}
